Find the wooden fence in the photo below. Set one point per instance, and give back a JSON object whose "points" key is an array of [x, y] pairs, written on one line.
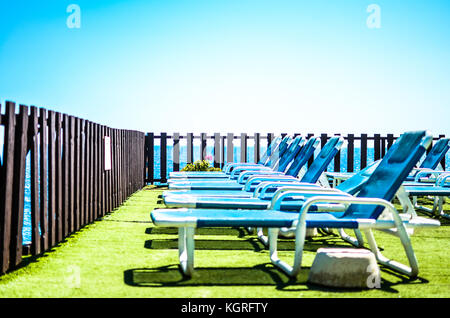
{"points": [[223, 150], [75, 178]]}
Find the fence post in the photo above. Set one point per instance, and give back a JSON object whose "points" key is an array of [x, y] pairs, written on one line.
{"points": [[176, 152], [350, 152], [43, 177], [216, 150], [163, 157], [377, 147], [363, 162], [230, 147], [337, 159], [202, 146], [6, 188], [20, 153], [257, 148], [443, 158], [34, 186], [243, 147]]}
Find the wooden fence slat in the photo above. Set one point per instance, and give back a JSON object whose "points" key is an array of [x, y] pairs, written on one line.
{"points": [[377, 147], [51, 179], [230, 147], [71, 173], [151, 151], [43, 131], [190, 147], [363, 162], [34, 181], [6, 184], [350, 152], [443, 159], [243, 147], [203, 144], [176, 152], [65, 176], [82, 171], [20, 149], [257, 147], [323, 141], [217, 150], [337, 160], [59, 178], [163, 156]]}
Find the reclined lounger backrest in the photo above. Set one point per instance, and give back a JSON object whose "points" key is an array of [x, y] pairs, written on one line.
{"points": [[323, 159], [436, 154], [303, 156], [354, 184], [294, 147], [278, 152], [265, 157], [390, 173]]}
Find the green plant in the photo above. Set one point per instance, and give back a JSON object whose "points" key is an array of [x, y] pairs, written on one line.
{"points": [[200, 165]]}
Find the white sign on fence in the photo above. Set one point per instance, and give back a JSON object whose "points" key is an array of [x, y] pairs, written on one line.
{"points": [[107, 153]]}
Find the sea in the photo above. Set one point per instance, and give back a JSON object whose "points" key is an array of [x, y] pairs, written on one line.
{"points": [[26, 230]]}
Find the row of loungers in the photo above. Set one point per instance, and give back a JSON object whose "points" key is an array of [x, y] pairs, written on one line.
{"points": [[279, 193]]}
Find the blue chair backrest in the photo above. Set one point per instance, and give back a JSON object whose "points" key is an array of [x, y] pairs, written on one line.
{"points": [[329, 150], [265, 157], [303, 156], [387, 178], [436, 154], [353, 185], [278, 152], [291, 152]]}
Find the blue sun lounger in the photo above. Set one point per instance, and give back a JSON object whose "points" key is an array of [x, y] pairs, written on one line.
{"points": [[426, 168], [431, 161], [264, 193], [241, 189], [363, 213], [277, 168], [269, 159]]}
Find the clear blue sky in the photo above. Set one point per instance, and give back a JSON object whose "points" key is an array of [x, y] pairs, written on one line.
{"points": [[234, 65]]}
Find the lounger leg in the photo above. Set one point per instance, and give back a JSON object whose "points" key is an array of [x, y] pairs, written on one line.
{"points": [[358, 241], [404, 238], [262, 237], [441, 208], [186, 249], [407, 206], [273, 240]]}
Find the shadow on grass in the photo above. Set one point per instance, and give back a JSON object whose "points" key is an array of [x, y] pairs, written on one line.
{"points": [[260, 275], [250, 243], [171, 276]]}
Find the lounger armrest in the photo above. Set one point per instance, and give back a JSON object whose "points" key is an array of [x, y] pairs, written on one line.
{"points": [[230, 166], [243, 177], [442, 179], [238, 170], [294, 191], [367, 222], [423, 172], [257, 179], [263, 187]]}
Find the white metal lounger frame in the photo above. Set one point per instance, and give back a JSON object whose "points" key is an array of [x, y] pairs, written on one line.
{"points": [[304, 189], [438, 201], [187, 227], [365, 225]]}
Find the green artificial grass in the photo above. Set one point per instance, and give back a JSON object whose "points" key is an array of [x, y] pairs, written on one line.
{"points": [[124, 255]]}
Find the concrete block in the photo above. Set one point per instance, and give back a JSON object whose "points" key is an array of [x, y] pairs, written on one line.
{"points": [[345, 267]]}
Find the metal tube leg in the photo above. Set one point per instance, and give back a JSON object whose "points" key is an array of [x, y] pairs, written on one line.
{"points": [[262, 237], [358, 241], [410, 271], [186, 249], [273, 240]]}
